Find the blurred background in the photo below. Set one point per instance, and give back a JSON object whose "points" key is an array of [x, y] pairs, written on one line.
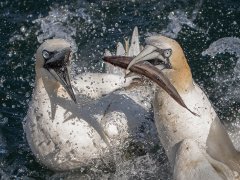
{"points": [[207, 30]]}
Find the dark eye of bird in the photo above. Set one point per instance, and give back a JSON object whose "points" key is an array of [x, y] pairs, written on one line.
{"points": [[167, 53], [45, 54]]}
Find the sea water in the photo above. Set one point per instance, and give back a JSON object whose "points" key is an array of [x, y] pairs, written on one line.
{"points": [[208, 32]]}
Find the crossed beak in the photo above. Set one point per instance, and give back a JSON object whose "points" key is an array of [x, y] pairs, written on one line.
{"points": [[140, 66], [58, 66]]}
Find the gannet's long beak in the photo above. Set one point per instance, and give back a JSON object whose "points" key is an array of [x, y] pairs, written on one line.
{"points": [[149, 53], [57, 65], [150, 71]]}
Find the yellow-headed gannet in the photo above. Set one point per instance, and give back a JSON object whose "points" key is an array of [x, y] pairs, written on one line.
{"points": [[74, 123], [197, 144]]}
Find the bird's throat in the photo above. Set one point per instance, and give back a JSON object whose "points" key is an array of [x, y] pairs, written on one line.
{"points": [[181, 80]]}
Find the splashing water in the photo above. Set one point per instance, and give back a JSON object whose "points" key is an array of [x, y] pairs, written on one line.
{"points": [[90, 28], [179, 18], [57, 24], [224, 45], [229, 45]]}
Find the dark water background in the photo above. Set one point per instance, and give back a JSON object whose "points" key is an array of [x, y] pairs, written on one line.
{"points": [[93, 26]]}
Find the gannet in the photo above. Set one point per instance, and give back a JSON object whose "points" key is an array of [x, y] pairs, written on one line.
{"points": [[197, 145], [75, 123]]}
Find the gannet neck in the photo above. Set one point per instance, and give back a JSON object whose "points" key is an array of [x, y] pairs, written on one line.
{"points": [[51, 88], [44, 77], [180, 75]]}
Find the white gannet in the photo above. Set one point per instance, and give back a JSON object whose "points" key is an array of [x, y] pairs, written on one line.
{"points": [[197, 145], [71, 124]]}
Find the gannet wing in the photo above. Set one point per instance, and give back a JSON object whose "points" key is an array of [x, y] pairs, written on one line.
{"points": [[120, 49], [192, 163], [220, 146], [134, 49]]}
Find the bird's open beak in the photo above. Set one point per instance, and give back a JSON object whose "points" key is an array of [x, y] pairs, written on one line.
{"points": [[58, 66], [148, 70]]}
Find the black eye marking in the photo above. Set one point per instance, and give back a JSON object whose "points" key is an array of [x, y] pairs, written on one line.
{"points": [[167, 53], [46, 54]]}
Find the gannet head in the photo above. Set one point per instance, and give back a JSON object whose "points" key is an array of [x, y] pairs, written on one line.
{"points": [[167, 55], [52, 62], [163, 53]]}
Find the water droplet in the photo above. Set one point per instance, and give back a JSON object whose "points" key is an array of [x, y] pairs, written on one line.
{"points": [[27, 95], [3, 121], [23, 29]]}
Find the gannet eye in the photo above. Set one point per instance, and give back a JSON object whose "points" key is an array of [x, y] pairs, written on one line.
{"points": [[167, 53], [45, 54]]}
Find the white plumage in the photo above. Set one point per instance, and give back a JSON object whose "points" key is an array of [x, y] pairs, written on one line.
{"points": [[64, 135], [197, 146]]}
